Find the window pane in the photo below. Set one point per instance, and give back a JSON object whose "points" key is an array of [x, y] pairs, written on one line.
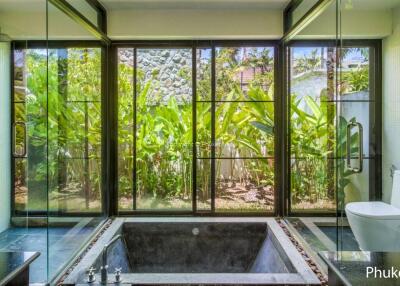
{"points": [[20, 185], [203, 181], [355, 74], [19, 76], [313, 184], [310, 133], [244, 185], [203, 129], [203, 74], [83, 132], [32, 74], [83, 188], [84, 78], [125, 128], [312, 127], [244, 129], [241, 72], [164, 129], [74, 135]]}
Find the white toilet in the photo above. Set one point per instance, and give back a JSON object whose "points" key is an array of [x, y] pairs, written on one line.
{"points": [[376, 225]]}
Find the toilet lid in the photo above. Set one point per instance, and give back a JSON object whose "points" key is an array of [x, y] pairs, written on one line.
{"points": [[378, 210]]}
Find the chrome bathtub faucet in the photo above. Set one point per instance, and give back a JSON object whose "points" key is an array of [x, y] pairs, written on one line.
{"points": [[118, 275], [104, 266], [91, 275]]}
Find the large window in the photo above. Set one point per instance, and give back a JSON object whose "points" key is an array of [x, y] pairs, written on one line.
{"points": [[57, 134], [196, 129]]}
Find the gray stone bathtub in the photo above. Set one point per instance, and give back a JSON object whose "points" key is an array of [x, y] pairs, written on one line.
{"points": [[193, 251]]}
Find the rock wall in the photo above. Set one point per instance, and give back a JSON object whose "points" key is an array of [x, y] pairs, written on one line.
{"points": [[169, 71]]}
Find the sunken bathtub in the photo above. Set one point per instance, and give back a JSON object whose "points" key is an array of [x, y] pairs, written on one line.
{"points": [[195, 251]]}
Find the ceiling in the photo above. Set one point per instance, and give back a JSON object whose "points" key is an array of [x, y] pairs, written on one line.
{"points": [[39, 5], [194, 4]]}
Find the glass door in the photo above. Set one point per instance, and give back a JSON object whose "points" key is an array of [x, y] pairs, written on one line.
{"points": [[29, 129], [358, 134]]}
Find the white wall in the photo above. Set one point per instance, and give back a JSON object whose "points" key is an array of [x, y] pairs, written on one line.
{"points": [[391, 104], [5, 172]]}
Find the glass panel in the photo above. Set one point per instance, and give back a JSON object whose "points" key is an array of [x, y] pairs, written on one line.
{"points": [[244, 74], [164, 129], [309, 72], [203, 181], [203, 71], [244, 129], [126, 111], [19, 76], [244, 185], [203, 130], [85, 9], [84, 83], [312, 127], [355, 71], [361, 112], [75, 134], [19, 128], [83, 132], [355, 186], [358, 71], [300, 11], [20, 185], [310, 133], [36, 127], [82, 187], [312, 184], [75, 170], [23, 189]]}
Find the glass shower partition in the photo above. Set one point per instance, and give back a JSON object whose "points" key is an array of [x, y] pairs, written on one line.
{"points": [[24, 224], [76, 90], [367, 164]]}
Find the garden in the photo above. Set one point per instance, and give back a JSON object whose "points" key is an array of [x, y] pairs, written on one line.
{"points": [[170, 144]]}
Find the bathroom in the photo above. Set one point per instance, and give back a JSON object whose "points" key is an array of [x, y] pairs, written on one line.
{"points": [[219, 142]]}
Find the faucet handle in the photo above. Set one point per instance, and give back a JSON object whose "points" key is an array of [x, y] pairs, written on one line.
{"points": [[91, 275], [118, 274]]}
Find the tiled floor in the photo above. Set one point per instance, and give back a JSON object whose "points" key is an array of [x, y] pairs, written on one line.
{"points": [[56, 245]]}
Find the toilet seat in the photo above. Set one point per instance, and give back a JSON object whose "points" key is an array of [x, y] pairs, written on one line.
{"points": [[375, 210]]}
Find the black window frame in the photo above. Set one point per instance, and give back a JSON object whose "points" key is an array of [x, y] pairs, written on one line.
{"points": [[281, 102]]}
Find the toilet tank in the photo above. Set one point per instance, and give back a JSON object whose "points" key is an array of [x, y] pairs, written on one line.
{"points": [[395, 199]]}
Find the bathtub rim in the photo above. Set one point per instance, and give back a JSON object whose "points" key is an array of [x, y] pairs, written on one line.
{"points": [[303, 273]]}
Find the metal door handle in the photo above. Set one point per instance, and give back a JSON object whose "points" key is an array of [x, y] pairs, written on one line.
{"points": [[350, 125], [24, 149]]}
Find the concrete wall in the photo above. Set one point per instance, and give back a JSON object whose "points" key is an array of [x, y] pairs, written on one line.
{"points": [[26, 24], [391, 104], [199, 23], [5, 172], [195, 23], [356, 24]]}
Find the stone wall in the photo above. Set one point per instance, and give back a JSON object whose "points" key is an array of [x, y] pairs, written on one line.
{"points": [[168, 69]]}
